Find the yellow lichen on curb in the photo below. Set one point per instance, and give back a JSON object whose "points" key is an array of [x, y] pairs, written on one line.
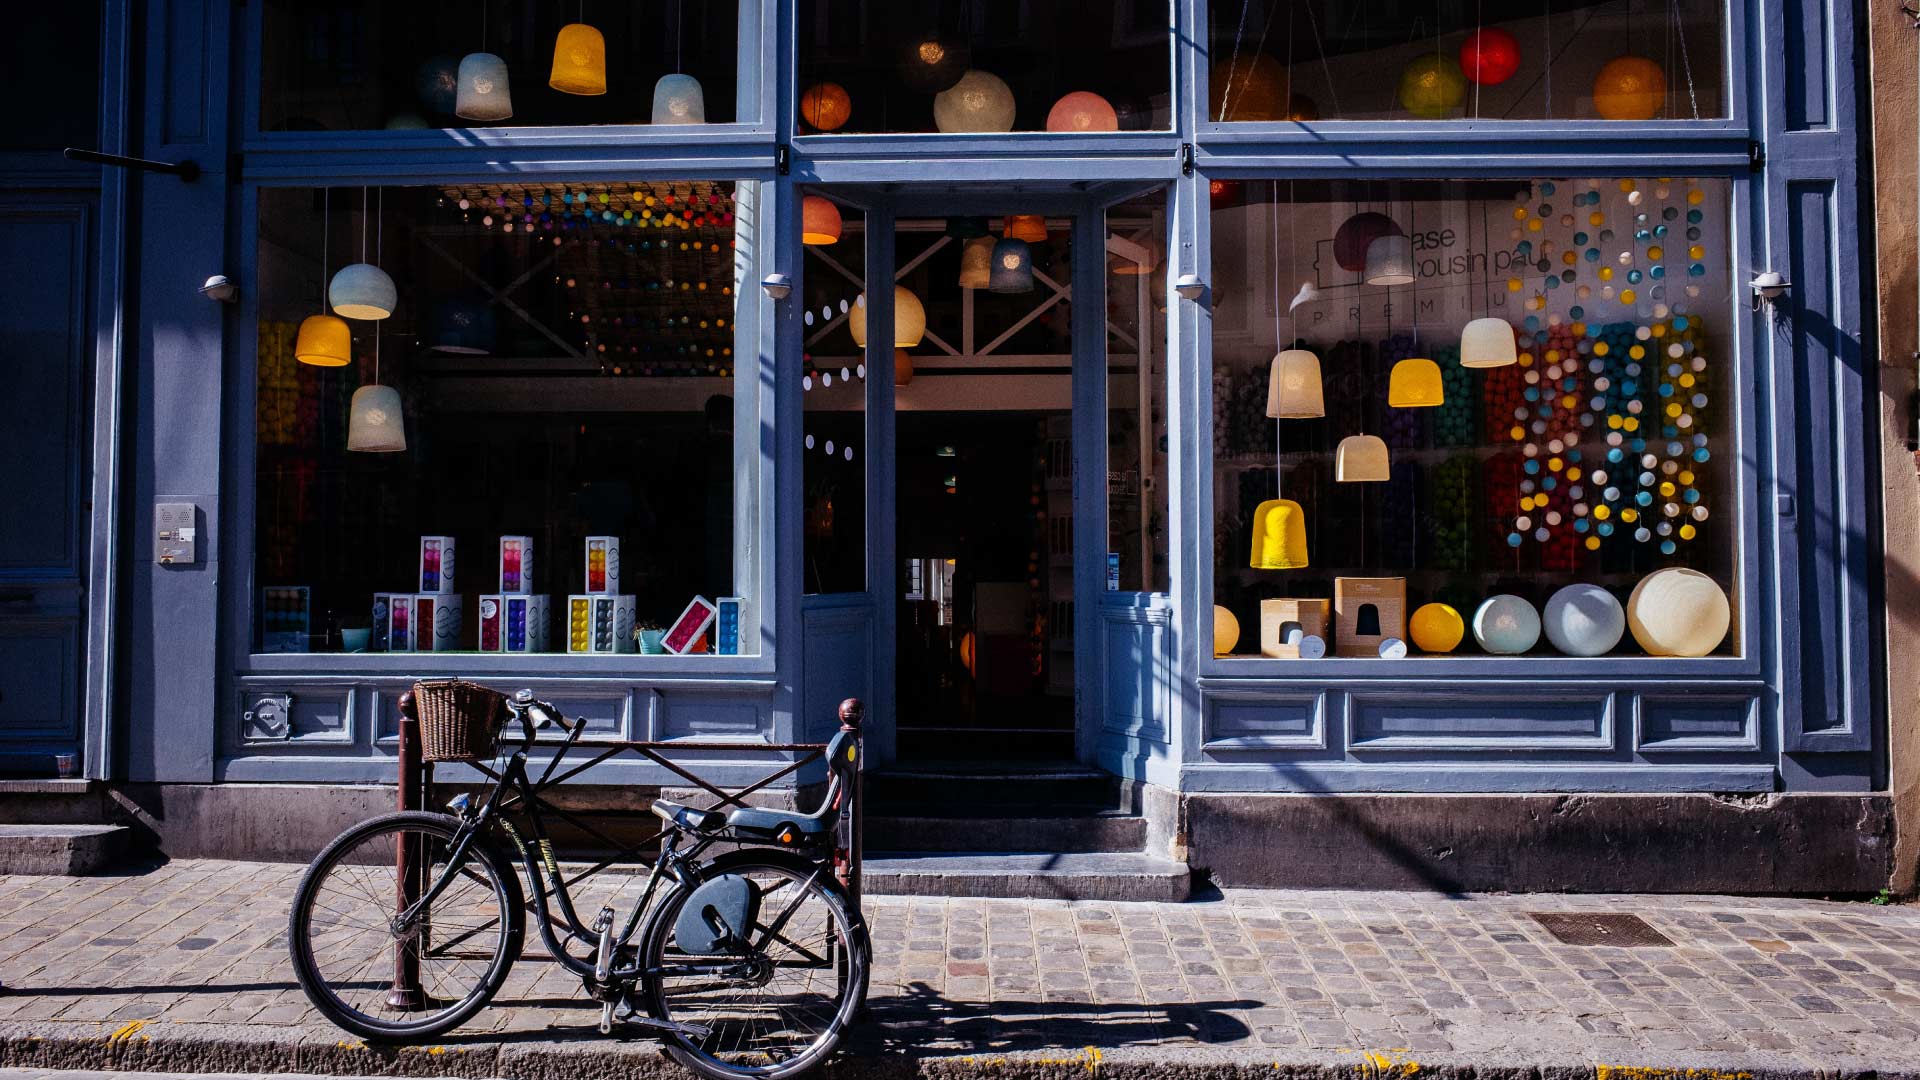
{"points": [[127, 1031]]}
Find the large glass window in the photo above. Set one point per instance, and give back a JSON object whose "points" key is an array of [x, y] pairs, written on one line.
{"points": [[1496, 60], [535, 452], [1474, 416], [1137, 396], [357, 65]]}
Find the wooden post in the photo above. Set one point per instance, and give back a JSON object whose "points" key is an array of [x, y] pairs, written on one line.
{"points": [[406, 993]]}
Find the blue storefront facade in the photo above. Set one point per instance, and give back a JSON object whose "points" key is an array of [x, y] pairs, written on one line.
{"points": [[628, 333]]}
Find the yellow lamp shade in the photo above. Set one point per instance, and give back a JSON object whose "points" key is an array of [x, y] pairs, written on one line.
{"points": [[1293, 386], [324, 341], [909, 319], [1360, 457], [1249, 87], [976, 263], [1415, 384], [1226, 631], [826, 106], [1629, 88], [1431, 85], [1082, 111], [1279, 536], [1437, 628], [579, 61], [1678, 612], [1029, 227], [819, 221], [1488, 343], [902, 367]]}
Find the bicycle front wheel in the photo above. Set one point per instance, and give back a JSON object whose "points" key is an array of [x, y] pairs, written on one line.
{"points": [[779, 1007], [378, 977]]}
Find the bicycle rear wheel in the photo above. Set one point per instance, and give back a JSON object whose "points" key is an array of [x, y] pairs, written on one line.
{"points": [[348, 953], [804, 979]]}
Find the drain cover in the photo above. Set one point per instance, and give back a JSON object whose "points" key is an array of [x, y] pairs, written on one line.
{"points": [[1619, 931]]}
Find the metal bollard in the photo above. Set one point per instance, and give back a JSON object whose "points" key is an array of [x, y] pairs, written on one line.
{"points": [[406, 993], [852, 711]]}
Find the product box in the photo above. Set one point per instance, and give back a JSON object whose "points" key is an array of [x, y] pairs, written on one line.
{"points": [[436, 621], [382, 625], [599, 623], [516, 564], [399, 635], [436, 564], [1287, 625], [603, 564], [726, 625], [685, 632], [514, 622], [285, 619]]}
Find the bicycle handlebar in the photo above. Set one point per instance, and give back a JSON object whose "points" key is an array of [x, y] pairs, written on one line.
{"points": [[534, 714]]}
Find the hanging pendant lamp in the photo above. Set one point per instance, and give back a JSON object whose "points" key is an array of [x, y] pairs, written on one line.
{"points": [[1012, 267], [362, 290], [678, 99], [980, 101], [1279, 536], [902, 367], [1390, 260], [1293, 386], [934, 62], [909, 319], [1488, 343], [376, 421], [579, 60], [819, 221], [1360, 458], [1415, 384], [976, 263], [1080, 111], [324, 340], [1029, 227], [465, 326], [484, 93]]}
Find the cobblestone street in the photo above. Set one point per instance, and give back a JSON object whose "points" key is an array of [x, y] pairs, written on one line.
{"points": [[184, 967]]}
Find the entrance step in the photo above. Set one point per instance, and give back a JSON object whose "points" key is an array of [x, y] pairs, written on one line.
{"points": [[1004, 745], [996, 787], [60, 849], [1027, 875], [932, 828]]}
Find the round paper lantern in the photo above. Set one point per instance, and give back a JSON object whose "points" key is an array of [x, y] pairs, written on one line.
{"points": [[1360, 458], [579, 61], [1279, 536], [826, 106], [678, 99], [1082, 111], [1488, 343], [1293, 386], [976, 263], [1029, 227], [1251, 88], [1506, 625], [902, 367], [1226, 631], [1629, 88], [819, 221], [1489, 57], [1223, 193], [1356, 234], [464, 326], [1678, 612], [1431, 85], [1011, 267], [1436, 628], [1390, 260], [362, 291], [909, 319], [933, 63], [1415, 384], [437, 83], [483, 92], [323, 341], [375, 422], [980, 101], [1584, 620]]}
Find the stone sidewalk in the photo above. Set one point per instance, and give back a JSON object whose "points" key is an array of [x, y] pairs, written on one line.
{"points": [[183, 968]]}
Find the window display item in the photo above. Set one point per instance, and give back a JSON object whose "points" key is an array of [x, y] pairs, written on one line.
{"points": [[819, 221], [1489, 56], [1488, 343], [1506, 625], [376, 422], [285, 619], [436, 564], [1226, 631], [400, 622], [980, 101], [600, 623], [909, 319], [687, 630], [1287, 624], [380, 630], [935, 62], [1584, 620], [1629, 88], [1279, 536], [324, 341], [976, 263], [1012, 267], [483, 93], [1356, 236], [1366, 612], [1390, 260], [1432, 85], [1437, 628], [465, 326], [826, 106], [679, 99], [902, 368], [436, 621], [1679, 612], [1393, 649], [514, 622], [1248, 87], [1293, 386], [1029, 227], [579, 61], [1415, 384], [603, 564], [362, 291], [1361, 458], [1082, 111], [726, 625], [516, 564]]}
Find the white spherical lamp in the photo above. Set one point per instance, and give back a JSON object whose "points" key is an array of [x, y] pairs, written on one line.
{"points": [[678, 99], [980, 101], [1679, 612], [1584, 620], [362, 291], [1506, 625], [483, 93], [1488, 343], [375, 422]]}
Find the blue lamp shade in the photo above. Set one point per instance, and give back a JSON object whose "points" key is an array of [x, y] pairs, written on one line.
{"points": [[464, 326], [362, 291], [1584, 620], [678, 99], [483, 92], [1012, 270], [1506, 625], [375, 422]]}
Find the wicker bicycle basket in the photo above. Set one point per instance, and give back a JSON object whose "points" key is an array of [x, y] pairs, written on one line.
{"points": [[458, 719]]}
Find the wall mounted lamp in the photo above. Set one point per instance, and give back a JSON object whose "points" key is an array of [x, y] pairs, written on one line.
{"points": [[219, 288], [1190, 287], [1768, 286], [777, 286]]}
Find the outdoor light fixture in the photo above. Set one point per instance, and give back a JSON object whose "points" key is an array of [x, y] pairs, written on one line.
{"points": [[1767, 287], [1190, 287], [219, 288], [776, 286]]}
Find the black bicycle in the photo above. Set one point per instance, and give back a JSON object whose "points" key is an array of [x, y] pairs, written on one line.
{"points": [[749, 963]]}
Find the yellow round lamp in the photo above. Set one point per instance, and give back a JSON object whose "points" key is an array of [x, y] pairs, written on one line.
{"points": [[1360, 458], [1293, 386], [324, 341], [1679, 612], [902, 367], [980, 101], [819, 221], [1226, 631], [1432, 85], [1415, 384], [826, 106], [1437, 628], [1029, 227], [909, 319], [1279, 536], [1629, 88], [1488, 343], [579, 61], [1082, 111], [1251, 87], [976, 263]]}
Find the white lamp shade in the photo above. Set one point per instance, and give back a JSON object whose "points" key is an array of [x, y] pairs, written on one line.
{"points": [[1506, 625], [678, 99], [1679, 612], [483, 92], [980, 101], [909, 319], [976, 263], [375, 423], [1390, 260], [1293, 386], [362, 291], [1584, 620], [1488, 343], [1012, 267], [1361, 457]]}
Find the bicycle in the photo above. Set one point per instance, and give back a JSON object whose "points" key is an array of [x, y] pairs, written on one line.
{"points": [[752, 963]]}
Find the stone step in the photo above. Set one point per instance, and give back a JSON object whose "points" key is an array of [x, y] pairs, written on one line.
{"points": [[996, 786], [60, 849], [1027, 875], [930, 830]]}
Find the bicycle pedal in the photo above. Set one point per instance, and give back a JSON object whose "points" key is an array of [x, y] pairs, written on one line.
{"points": [[606, 1018], [603, 955]]}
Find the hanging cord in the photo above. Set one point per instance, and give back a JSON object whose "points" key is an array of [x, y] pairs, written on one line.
{"points": [[1233, 60], [1273, 234], [1686, 58], [326, 227], [1479, 32], [363, 224], [379, 243], [1326, 69], [483, 25]]}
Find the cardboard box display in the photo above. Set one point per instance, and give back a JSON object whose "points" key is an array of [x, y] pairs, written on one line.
{"points": [[514, 622], [437, 618], [602, 565], [516, 564], [599, 623], [1377, 606], [1285, 621], [436, 565]]}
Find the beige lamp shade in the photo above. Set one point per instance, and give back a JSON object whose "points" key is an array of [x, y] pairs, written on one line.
{"points": [[980, 101], [1415, 384], [1029, 227], [1679, 612], [1226, 631], [579, 61], [1360, 457], [1390, 260], [902, 367], [1488, 343], [324, 341], [1293, 386], [819, 221], [375, 421], [1279, 536], [976, 263], [909, 319]]}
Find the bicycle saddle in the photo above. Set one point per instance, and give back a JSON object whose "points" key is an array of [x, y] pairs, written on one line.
{"points": [[686, 817], [745, 819]]}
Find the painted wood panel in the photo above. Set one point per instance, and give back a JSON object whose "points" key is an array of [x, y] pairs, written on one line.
{"points": [[1448, 720]]}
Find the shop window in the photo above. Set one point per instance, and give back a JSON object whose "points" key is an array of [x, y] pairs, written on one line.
{"points": [[358, 65], [833, 386], [1304, 60], [1137, 396], [55, 50], [535, 452], [1072, 66], [1475, 417]]}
